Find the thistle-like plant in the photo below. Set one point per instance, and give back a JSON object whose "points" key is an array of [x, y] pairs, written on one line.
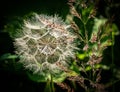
{"points": [[45, 45]]}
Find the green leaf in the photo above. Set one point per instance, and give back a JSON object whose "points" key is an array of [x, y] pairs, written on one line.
{"points": [[8, 56], [88, 68], [44, 78]]}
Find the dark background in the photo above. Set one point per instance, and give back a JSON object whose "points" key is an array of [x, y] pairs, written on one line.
{"points": [[16, 81]]}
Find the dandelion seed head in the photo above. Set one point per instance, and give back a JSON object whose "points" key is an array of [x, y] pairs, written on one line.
{"points": [[45, 42]]}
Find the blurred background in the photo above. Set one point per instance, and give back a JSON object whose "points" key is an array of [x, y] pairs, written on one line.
{"points": [[14, 79]]}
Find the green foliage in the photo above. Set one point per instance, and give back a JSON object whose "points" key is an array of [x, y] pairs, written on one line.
{"points": [[40, 78], [8, 56], [8, 62], [95, 35]]}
